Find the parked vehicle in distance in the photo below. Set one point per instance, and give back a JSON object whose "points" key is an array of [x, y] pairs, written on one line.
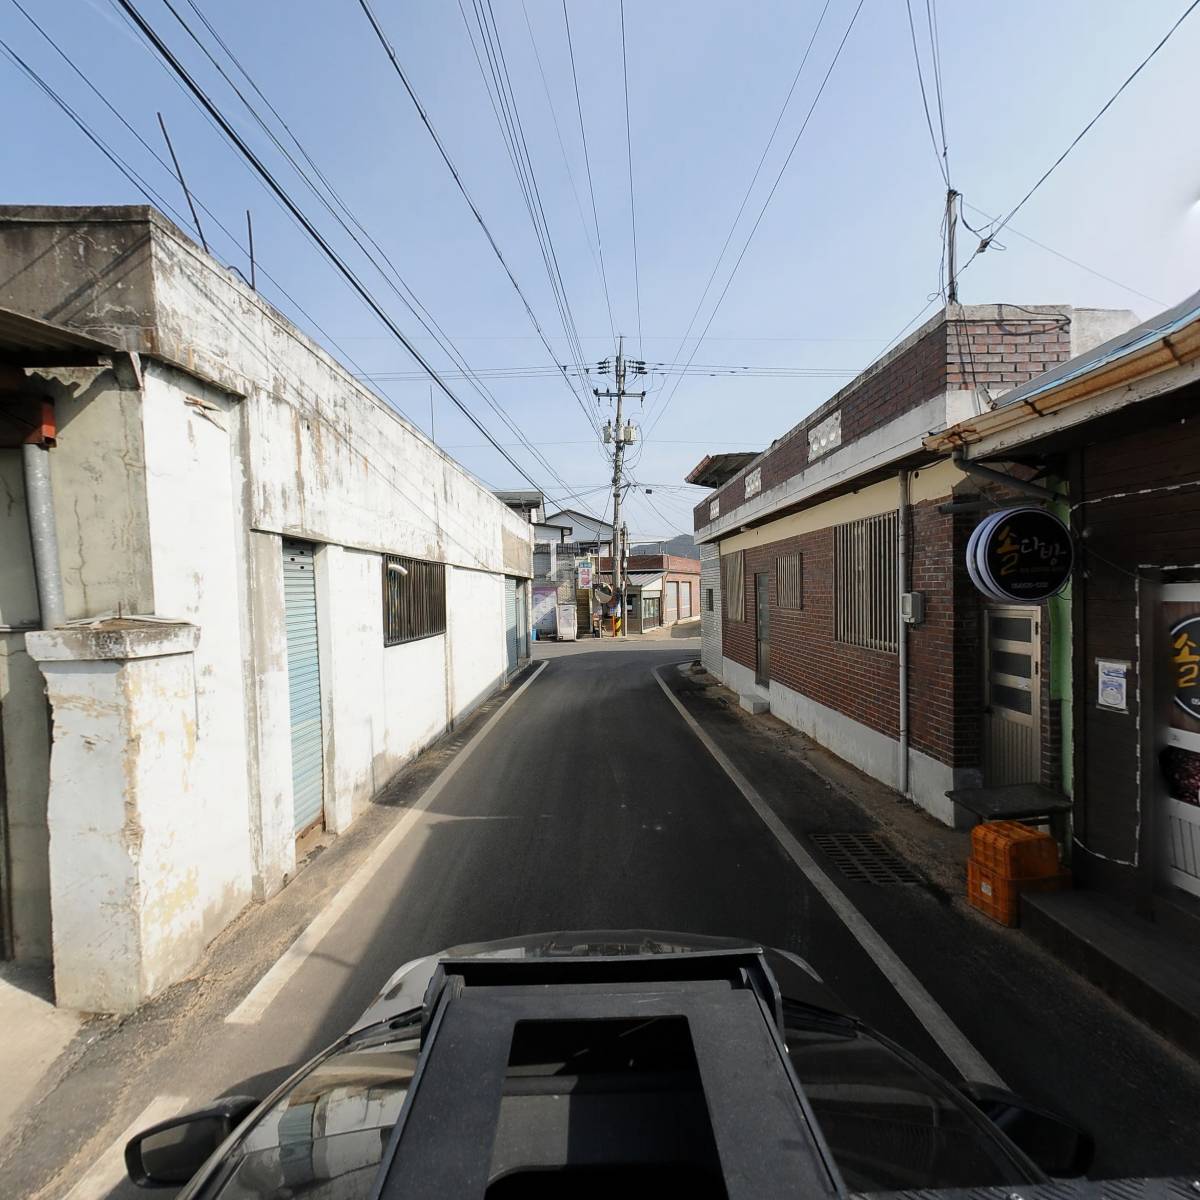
{"points": [[608, 1063]]}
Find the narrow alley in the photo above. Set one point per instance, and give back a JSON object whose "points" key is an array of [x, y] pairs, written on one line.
{"points": [[526, 823]]}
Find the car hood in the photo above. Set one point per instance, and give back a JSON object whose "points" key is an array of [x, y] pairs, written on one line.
{"points": [[405, 990]]}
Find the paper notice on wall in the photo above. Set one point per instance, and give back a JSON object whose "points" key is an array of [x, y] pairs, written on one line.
{"points": [[1112, 686]]}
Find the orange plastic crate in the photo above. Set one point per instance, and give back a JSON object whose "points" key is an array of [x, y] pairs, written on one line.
{"points": [[999, 896], [1014, 850]]}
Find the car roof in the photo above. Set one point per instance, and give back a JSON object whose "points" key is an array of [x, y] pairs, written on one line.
{"points": [[461, 1118]]}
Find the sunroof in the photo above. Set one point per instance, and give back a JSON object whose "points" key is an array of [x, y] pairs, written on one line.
{"points": [[598, 1106]]}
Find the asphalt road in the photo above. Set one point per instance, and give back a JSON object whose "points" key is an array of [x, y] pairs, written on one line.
{"points": [[592, 805]]}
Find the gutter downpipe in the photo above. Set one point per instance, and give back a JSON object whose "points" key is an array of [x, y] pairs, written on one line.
{"points": [[43, 533], [902, 633]]}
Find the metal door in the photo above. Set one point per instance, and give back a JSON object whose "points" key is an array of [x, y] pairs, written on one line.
{"points": [[1179, 737], [1012, 744], [685, 599], [762, 621], [511, 627], [671, 601], [304, 684]]}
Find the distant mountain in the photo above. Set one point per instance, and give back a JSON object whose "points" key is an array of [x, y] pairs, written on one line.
{"points": [[684, 546]]}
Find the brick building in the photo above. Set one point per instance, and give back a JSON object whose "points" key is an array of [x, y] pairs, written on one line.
{"points": [[821, 535], [663, 589], [1119, 427]]}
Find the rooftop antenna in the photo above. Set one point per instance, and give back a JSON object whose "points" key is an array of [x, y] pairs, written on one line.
{"points": [[182, 182]]}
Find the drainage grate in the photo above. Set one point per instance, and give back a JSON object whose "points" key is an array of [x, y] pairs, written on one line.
{"points": [[864, 858]]}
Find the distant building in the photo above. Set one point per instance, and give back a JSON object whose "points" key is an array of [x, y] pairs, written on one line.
{"points": [[251, 593], [663, 589]]}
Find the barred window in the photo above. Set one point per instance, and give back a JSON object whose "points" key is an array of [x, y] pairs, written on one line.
{"points": [[864, 581], [789, 580], [414, 599], [733, 585]]}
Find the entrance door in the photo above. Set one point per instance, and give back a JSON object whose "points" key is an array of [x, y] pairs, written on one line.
{"points": [[651, 618], [1179, 736], [762, 620], [1012, 745], [304, 685]]}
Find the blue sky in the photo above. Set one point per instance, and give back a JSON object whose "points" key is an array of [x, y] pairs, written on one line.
{"points": [[846, 253]]}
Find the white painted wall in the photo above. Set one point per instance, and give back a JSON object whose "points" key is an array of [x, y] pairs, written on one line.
{"points": [[476, 626], [195, 527]]}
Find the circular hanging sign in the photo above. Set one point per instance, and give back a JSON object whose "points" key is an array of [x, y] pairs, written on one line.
{"points": [[1185, 665], [1020, 555]]}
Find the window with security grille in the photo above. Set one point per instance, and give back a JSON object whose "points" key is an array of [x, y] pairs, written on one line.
{"points": [[864, 582], [789, 580], [733, 585], [414, 599]]}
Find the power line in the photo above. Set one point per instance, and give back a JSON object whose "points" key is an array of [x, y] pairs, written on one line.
{"points": [[749, 189], [983, 245], [405, 293], [386, 44], [1059, 254], [637, 287], [762, 212], [315, 234], [587, 161], [513, 134], [943, 166], [587, 233]]}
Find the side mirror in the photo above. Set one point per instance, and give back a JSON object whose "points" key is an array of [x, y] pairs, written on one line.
{"points": [[170, 1153], [1050, 1141]]}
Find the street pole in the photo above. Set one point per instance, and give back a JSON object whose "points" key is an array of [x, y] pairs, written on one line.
{"points": [[951, 249], [618, 558], [618, 458]]}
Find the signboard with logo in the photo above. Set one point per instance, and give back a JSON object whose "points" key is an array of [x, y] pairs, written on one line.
{"points": [[1184, 648], [1020, 556]]}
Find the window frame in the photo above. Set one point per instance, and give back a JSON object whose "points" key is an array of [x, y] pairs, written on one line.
{"points": [[733, 587], [866, 600], [787, 575], [424, 616]]}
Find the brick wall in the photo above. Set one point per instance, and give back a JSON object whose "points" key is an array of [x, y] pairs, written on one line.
{"points": [[944, 650], [997, 354]]}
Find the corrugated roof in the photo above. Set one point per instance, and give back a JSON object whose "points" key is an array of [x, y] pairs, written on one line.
{"points": [[22, 336], [637, 578], [1129, 342]]}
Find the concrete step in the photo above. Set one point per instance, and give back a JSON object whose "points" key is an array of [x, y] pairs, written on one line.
{"points": [[753, 704], [1150, 970]]}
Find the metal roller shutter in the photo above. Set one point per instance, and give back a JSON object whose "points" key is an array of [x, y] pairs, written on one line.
{"points": [[304, 684], [511, 627]]}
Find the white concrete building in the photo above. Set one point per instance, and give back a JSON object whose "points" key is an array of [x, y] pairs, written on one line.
{"points": [[273, 591]]}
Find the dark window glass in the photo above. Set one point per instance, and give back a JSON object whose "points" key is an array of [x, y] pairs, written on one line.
{"points": [[327, 1136], [1013, 698], [888, 1126], [1012, 629], [1009, 663]]}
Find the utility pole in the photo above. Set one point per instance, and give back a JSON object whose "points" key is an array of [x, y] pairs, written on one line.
{"points": [[621, 436], [951, 249]]}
